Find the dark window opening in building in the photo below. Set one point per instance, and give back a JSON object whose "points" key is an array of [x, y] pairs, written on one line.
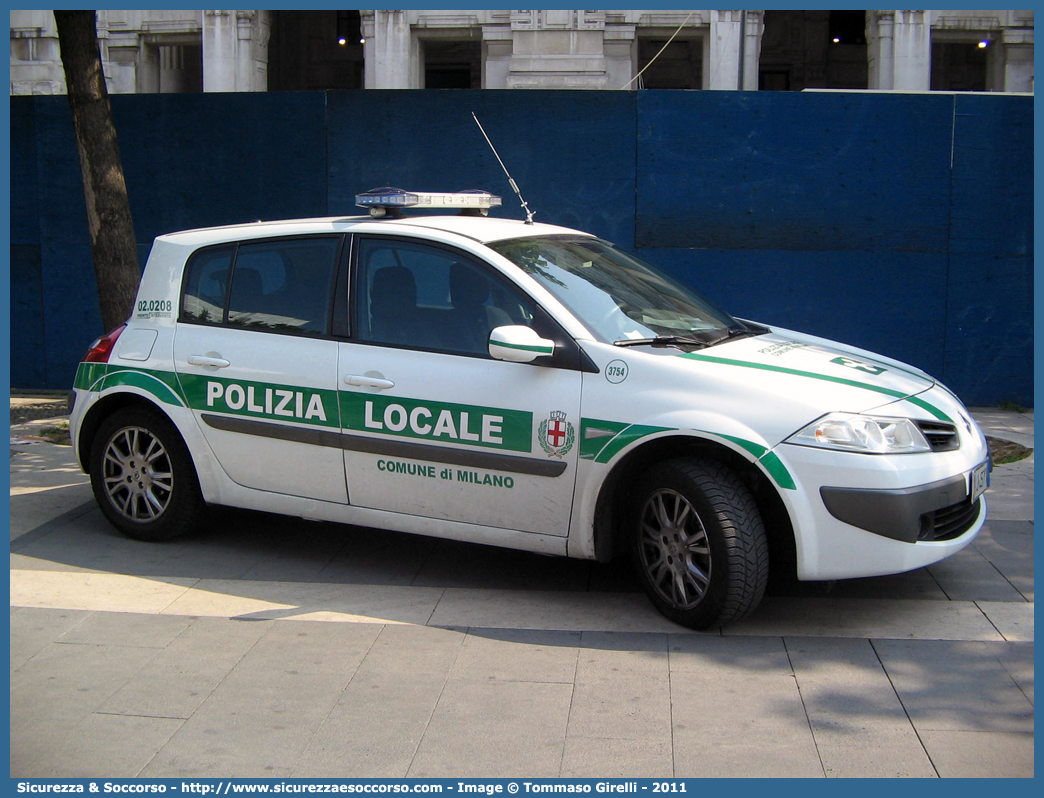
{"points": [[773, 81], [813, 50], [168, 67], [959, 66], [679, 66], [848, 27], [452, 64], [306, 51]]}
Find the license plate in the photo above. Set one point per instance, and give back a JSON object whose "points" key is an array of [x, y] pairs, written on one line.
{"points": [[979, 480]]}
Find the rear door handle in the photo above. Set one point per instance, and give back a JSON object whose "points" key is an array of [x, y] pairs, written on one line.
{"points": [[207, 360], [368, 382]]}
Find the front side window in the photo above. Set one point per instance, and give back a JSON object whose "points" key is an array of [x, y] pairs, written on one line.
{"points": [[617, 297], [281, 285], [418, 296]]}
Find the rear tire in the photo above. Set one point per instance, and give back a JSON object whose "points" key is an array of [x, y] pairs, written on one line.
{"points": [[143, 477], [698, 543]]}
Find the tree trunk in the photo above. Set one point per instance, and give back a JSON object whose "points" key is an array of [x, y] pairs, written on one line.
{"points": [[113, 245]]}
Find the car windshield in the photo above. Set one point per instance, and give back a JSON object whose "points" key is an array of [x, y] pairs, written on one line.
{"points": [[617, 297]]}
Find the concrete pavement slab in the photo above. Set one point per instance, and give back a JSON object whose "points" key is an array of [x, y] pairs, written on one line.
{"points": [[846, 692], [568, 611], [95, 591], [969, 576], [880, 760], [127, 629], [954, 686], [495, 729], [221, 745], [1013, 620], [1010, 495], [32, 631], [259, 719], [859, 724], [378, 722], [300, 600], [375, 556], [1008, 545], [1005, 424], [1017, 659], [529, 655], [610, 758], [308, 648], [623, 687], [192, 666], [971, 754], [737, 711], [30, 507], [917, 585], [108, 746], [58, 689], [830, 617]]}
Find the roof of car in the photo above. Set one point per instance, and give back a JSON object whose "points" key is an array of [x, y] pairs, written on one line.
{"points": [[477, 228]]}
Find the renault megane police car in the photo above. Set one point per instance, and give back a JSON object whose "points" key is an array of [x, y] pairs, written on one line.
{"points": [[516, 384]]}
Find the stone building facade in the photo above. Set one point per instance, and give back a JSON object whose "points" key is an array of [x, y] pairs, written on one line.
{"points": [[261, 50]]}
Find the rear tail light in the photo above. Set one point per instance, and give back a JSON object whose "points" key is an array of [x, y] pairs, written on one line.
{"points": [[102, 348]]}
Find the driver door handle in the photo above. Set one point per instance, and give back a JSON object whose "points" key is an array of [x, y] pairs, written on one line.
{"points": [[204, 360], [368, 382]]}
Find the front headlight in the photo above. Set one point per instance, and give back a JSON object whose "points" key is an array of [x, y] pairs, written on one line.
{"points": [[856, 433]]}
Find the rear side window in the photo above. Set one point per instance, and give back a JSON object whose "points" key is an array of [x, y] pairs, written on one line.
{"points": [[206, 284], [281, 285]]}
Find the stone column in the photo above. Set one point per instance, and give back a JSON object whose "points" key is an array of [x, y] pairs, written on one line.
{"points": [[753, 28], [912, 43], [387, 51], [219, 51], [726, 31], [1018, 60], [880, 52], [235, 51]]}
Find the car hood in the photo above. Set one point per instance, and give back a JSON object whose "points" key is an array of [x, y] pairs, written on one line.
{"points": [[822, 362], [802, 377]]}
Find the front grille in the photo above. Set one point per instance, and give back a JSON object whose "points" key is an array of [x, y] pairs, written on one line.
{"points": [[942, 437], [950, 522]]}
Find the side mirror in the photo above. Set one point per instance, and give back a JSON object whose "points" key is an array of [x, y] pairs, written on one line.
{"points": [[518, 344]]}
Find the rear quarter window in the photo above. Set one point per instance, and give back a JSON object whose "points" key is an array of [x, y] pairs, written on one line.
{"points": [[282, 285]]}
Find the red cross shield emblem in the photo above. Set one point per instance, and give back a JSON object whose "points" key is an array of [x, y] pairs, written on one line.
{"points": [[556, 435]]}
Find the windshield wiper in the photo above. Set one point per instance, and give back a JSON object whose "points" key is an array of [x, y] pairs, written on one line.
{"points": [[731, 333], [659, 340], [684, 341]]}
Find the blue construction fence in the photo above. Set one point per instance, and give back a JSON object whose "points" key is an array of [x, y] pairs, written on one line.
{"points": [[899, 223]]}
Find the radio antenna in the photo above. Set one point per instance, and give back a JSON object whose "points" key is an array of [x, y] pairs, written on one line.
{"points": [[511, 181]]}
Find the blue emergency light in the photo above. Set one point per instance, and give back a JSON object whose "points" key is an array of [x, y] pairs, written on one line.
{"points": [[388, 200]]}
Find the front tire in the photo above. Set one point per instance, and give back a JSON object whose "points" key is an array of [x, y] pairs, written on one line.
{"points": [[143, 477], [698, 543]]}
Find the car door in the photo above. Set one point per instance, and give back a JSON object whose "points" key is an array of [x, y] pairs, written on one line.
{"points": [[431, 424], [254, 357]]}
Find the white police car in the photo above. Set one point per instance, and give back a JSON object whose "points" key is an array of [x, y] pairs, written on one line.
{"points": [[522, 385]]}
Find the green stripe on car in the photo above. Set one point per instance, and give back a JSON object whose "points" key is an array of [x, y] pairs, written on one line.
{"points": [[724, 361], [101, 376], [543, 350], [602, 440]]}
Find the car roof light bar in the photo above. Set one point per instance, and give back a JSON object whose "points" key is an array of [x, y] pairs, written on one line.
{"points": [[390, 201]]}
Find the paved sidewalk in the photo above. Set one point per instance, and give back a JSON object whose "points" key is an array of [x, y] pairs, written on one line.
{"points": [[273, 647]]}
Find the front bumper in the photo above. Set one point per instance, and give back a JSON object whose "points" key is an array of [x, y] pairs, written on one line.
{"points": [[857, 515], [941, 510]]}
